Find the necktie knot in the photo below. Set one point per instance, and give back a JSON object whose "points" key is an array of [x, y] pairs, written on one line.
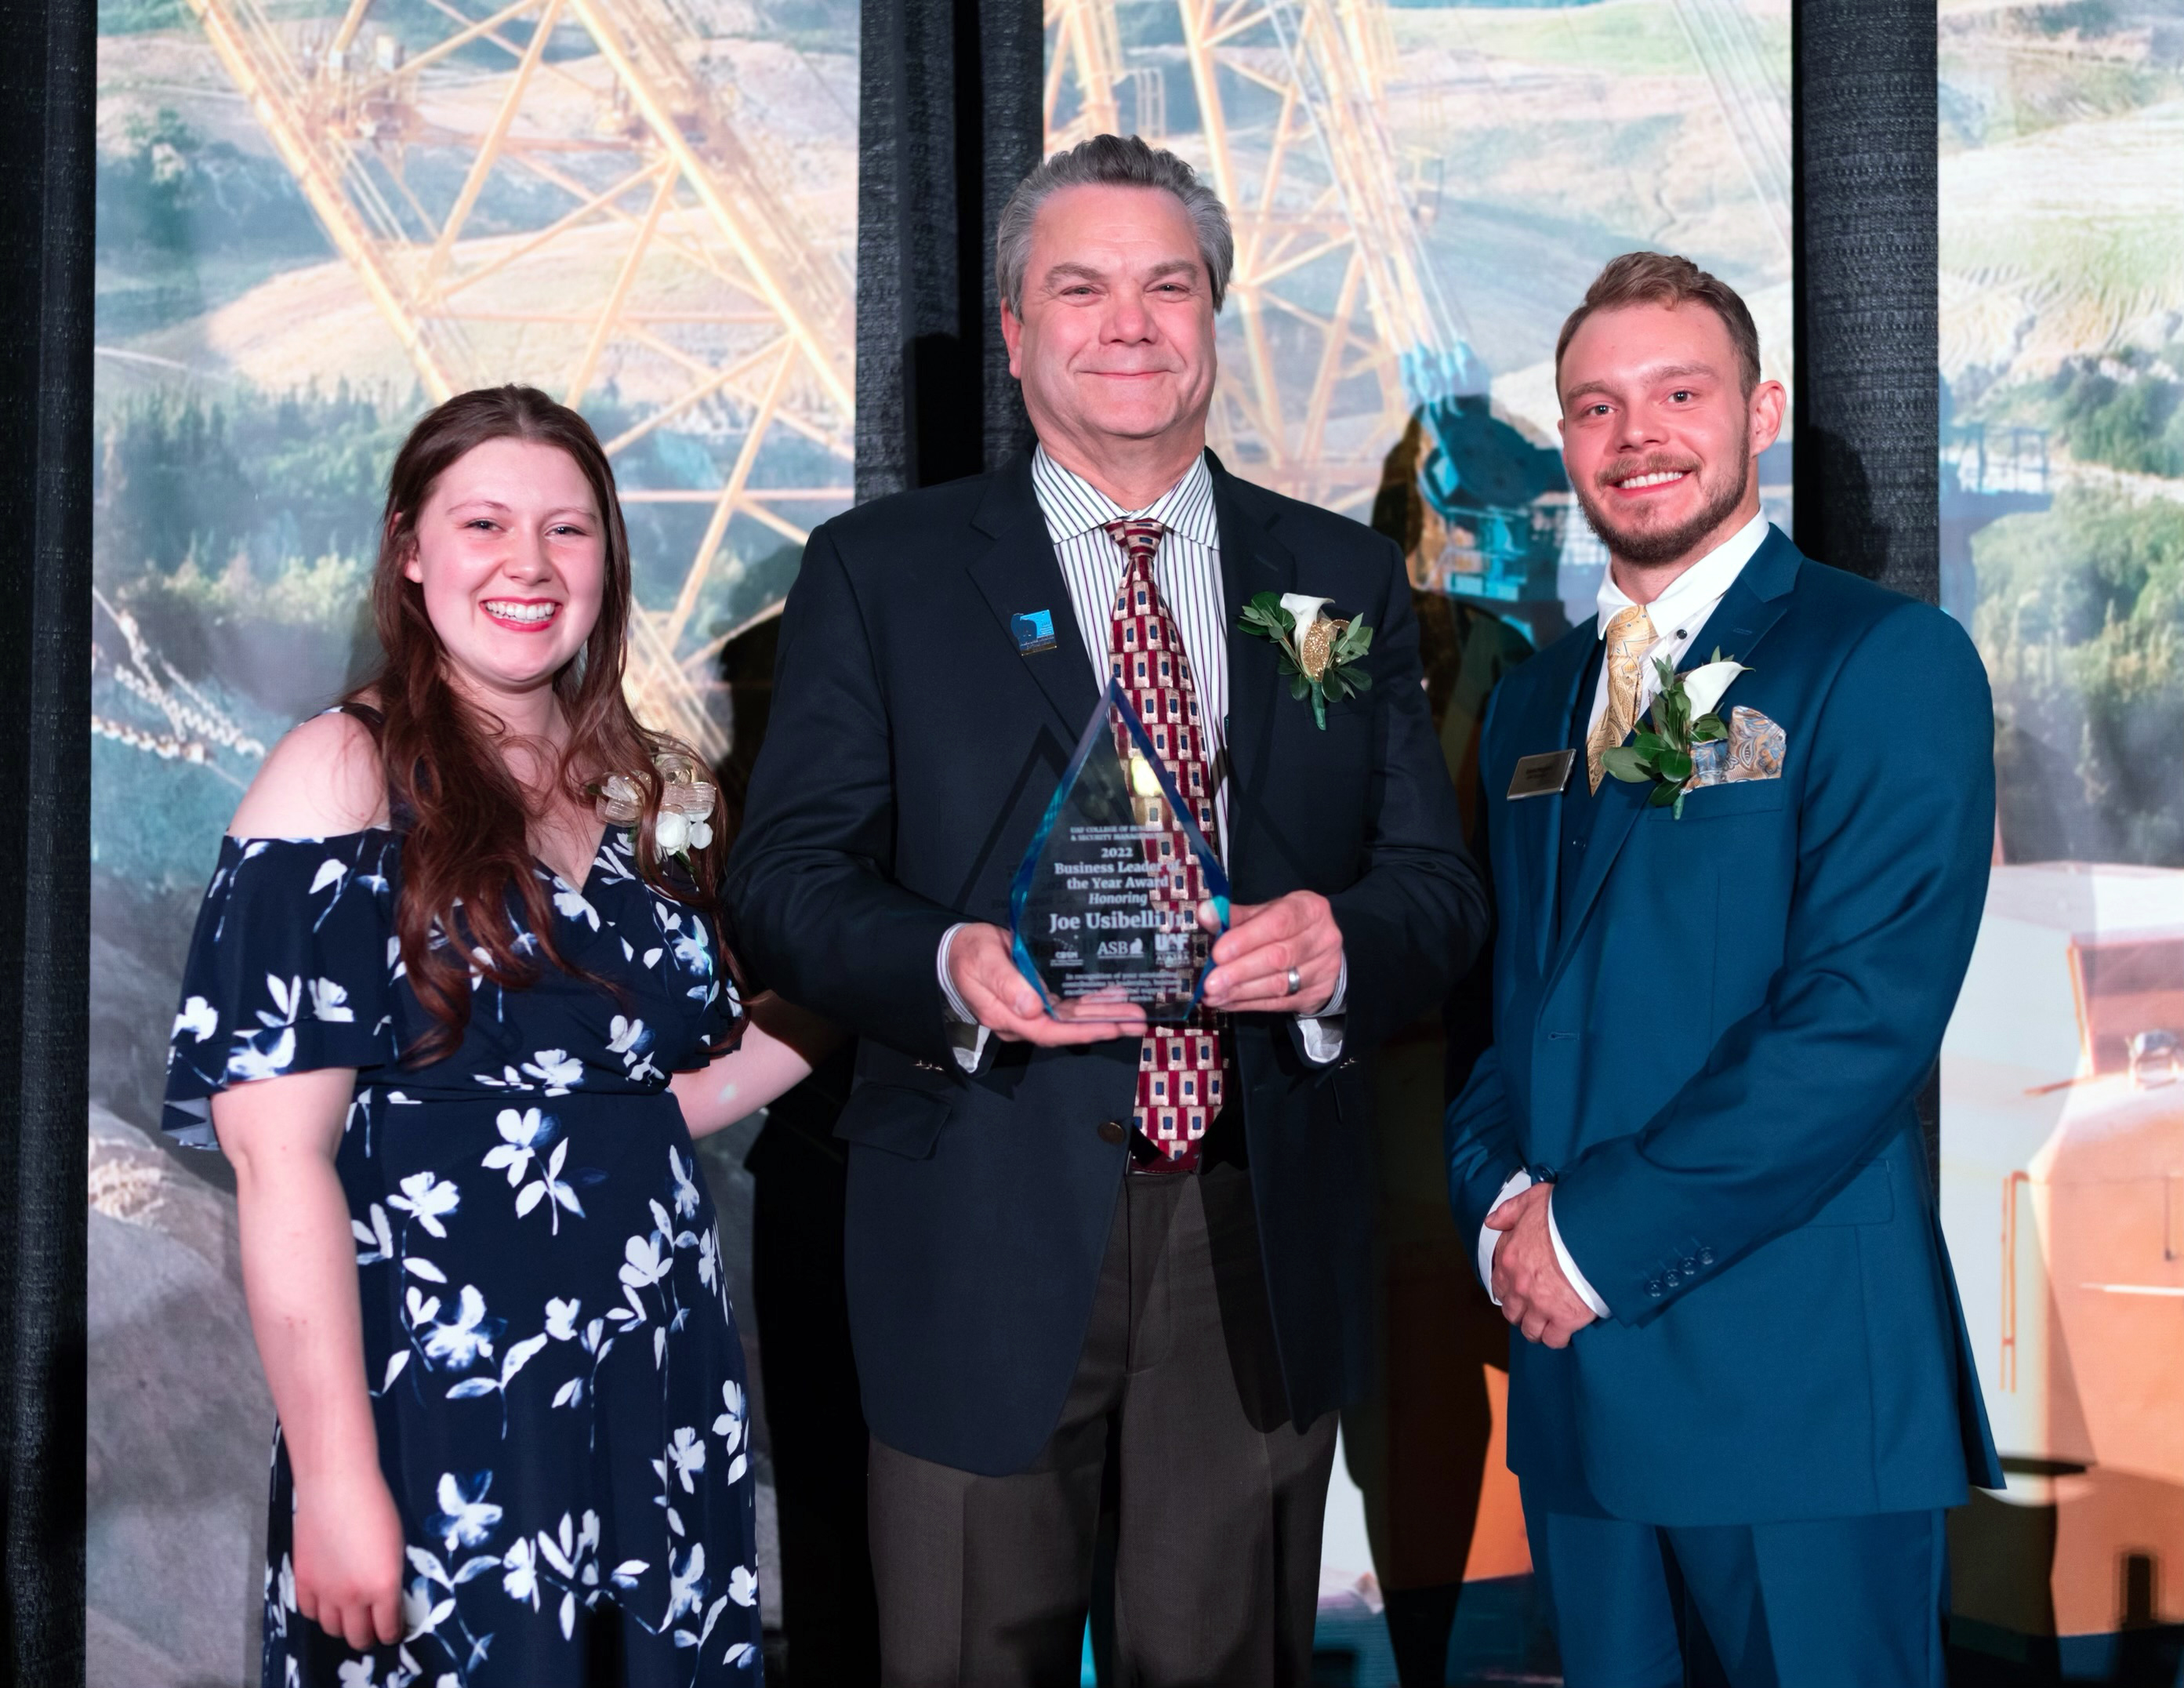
{"points": [[1629, 629], [1139, 536]]}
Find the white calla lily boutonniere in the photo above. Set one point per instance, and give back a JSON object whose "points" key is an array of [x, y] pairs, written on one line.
{"points": [[1682, 715], [1704, 685], [1323, 655]]}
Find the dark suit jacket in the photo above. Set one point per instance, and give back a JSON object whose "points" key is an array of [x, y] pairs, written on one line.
{"points": [[911, 751], [1716, 1053]]}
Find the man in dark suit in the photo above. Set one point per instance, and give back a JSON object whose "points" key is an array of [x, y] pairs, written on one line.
{"points": [[1693, 1159], [1080, 1261]]}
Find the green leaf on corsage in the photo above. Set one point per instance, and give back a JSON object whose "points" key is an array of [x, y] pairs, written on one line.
{"points": [[1264, 615]]}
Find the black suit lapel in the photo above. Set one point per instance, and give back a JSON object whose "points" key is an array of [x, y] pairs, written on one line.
{"points": [[1754, 602], [1252, 560], [1017, 573]]}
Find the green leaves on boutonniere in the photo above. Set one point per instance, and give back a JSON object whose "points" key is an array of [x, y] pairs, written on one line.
{"points": [[1683, 715], [1322, 656]]}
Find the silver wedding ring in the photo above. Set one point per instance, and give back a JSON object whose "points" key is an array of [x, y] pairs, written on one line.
{"points": [[1295, 982]]}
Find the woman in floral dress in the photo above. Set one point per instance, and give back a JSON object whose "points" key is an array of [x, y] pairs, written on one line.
{"points": [[456, 1005]]}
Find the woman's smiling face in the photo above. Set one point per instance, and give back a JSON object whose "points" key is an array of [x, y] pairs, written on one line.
{"points": [[510, 551]]}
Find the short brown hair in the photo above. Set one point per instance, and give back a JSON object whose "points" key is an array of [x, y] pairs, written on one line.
{"points": [[1655, 278], [1112, 161]]}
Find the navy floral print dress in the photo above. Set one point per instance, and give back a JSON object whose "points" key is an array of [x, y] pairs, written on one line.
{"points": [[555, 1372]]}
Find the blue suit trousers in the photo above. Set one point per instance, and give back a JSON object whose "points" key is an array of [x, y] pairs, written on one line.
{"points": [[1848, 1602]]}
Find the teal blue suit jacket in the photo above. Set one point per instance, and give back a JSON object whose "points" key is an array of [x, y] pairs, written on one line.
{"points": [[1712, 1040]]}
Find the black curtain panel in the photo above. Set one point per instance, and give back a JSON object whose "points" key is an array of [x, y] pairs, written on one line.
{"points": [[949, 121], [1866, 204], [45, 167], [1867, 474]]}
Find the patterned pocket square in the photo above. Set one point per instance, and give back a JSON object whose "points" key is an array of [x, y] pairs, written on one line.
{"points": [[1753, 751]]}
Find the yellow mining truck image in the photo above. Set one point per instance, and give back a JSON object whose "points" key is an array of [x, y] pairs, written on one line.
{"points": [[2062, 1186]]}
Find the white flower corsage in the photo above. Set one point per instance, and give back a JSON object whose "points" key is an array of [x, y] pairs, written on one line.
{"points": [[685, 822]]}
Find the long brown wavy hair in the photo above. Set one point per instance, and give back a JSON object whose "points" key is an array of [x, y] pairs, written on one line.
{"points": [[471, 885]]}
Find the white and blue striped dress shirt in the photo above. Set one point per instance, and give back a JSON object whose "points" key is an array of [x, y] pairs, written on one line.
{"points": [[1187, 570]]}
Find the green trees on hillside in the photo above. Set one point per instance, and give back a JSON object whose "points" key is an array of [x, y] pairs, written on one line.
{"points": [[265, 479], [2080, 619], [2127, 412]]}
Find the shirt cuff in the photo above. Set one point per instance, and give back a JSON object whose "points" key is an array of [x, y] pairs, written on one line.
{"points": [[966, 1037], [1514, 1186], [1322, 1031], [1517, 1184], [1586, 1292]]}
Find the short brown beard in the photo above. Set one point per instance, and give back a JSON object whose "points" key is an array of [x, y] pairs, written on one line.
{"points": [[1648, 550]]}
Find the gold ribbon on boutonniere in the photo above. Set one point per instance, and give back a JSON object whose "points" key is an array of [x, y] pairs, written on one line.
{"points": [[1322, 655]]}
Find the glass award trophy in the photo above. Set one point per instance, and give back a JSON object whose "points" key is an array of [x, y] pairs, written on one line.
{"points": [[1103, 913]]}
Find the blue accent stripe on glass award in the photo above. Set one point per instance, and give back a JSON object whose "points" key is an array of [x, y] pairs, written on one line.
{"points": [[1209, 864], [1020, 887]]}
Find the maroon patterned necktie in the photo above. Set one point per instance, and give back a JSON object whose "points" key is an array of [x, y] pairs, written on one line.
{"points": [[1182, 1070]]}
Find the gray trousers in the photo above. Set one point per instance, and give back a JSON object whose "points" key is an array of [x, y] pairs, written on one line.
{"points": [[986, 1581]]}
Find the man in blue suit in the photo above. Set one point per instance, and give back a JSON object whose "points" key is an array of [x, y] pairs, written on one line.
{"points": [[1693, 1157]]}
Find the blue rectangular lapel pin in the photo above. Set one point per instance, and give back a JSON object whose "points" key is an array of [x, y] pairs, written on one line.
{"points": [[1034, 631]]}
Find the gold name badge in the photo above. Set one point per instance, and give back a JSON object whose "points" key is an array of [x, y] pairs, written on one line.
{"points": [[1541, 775]]}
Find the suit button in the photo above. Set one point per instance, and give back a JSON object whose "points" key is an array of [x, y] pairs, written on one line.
{"points": [[1706, 1256], [1111, 1131], [1654, 1289], [1690, 1266]]}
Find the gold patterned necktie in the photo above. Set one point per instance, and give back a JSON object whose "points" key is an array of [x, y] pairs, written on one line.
{"points": [[1629, 636]]}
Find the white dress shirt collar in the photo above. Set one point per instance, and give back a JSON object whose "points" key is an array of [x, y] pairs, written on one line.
{"points": [[1690, 597], [1072, 505]]}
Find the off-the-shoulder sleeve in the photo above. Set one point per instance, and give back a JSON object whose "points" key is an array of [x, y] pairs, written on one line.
{"points": [[292, 967]]}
